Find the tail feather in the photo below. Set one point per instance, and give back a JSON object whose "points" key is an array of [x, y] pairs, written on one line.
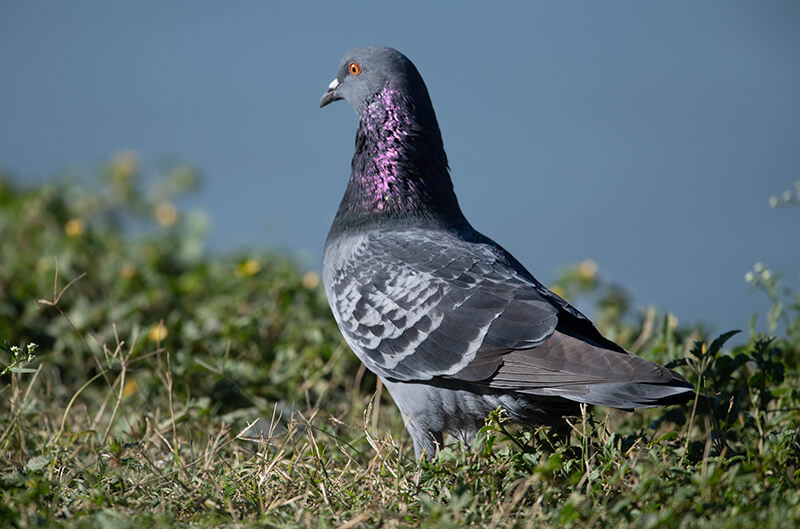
{"points": [[570, 366], [624, 395]]}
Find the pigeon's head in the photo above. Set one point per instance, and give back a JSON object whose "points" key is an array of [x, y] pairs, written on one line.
{"points": [[399, 168], [365, 72]]}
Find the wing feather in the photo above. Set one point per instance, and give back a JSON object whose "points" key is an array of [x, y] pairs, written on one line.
{"points": [[415, 305]]}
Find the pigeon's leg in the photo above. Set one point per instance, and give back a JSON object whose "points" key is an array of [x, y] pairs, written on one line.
{"points": [[425, 441], [560, 432], [466, 436], [420, 406]]}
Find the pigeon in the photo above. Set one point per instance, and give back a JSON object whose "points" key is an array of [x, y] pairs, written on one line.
{"points": [[452, 324]]}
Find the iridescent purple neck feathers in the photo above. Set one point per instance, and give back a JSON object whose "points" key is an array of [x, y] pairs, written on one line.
{"points": [[399, 170], [384, 128]]}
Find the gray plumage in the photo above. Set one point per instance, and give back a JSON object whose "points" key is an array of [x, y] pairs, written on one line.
{"points": [[452, 324]]}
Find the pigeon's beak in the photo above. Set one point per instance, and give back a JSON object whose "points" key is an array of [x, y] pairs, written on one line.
{"points": [[331, 94]]}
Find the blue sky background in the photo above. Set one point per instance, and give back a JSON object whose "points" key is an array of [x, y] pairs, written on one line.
{"points": [[645, 136]]}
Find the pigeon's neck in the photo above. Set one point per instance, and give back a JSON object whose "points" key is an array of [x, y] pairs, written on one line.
{"points": [[399, 170]]}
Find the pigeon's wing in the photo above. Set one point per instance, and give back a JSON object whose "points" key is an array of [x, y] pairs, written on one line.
{"points": [[416, 304]]}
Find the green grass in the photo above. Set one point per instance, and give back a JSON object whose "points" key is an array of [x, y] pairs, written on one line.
{"points": [[153, 357]]}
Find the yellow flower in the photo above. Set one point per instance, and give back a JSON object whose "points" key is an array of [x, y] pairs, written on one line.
{"points": [[127, 271], [587, 269], [248, 268], [125, 163], [311, 280], [129, 389], [74, 227], [157, 332], [166, 214], [672, 321]]}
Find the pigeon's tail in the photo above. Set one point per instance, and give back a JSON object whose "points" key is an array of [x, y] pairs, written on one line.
{"points": [[628, 395], [579, 369]]}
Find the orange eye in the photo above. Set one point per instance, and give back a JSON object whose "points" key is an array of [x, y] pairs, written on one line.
{"points": [[354, 68]]}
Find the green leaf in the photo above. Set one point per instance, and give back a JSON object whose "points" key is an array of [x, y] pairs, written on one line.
{"points": [[719, 341], [37, 463], [669, 436], [24, 369]]}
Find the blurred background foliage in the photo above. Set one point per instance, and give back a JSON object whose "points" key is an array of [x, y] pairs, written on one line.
{"points": [[124, 263], [126, 350]]}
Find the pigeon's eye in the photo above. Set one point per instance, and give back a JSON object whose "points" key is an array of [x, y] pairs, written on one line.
{"points": [[354, 68]]}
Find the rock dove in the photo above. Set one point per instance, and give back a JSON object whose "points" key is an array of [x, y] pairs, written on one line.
{"points": [[452, 323]]}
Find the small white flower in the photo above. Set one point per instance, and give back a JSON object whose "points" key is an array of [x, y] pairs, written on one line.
{"points": [[773, 202], [766, 275], [749, 277], [758, 267]]}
